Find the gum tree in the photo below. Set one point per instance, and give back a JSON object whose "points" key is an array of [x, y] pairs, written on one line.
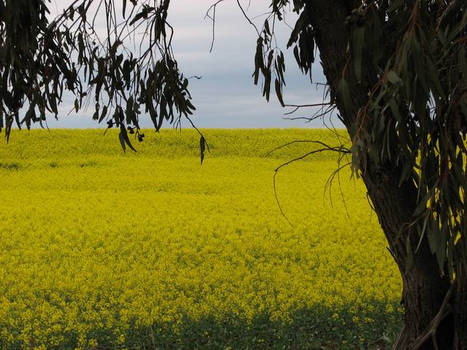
{"points": [[396, 73]]}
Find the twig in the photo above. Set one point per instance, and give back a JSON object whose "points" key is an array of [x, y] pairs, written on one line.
{"points": [[274, 184], [248, 18], [341, 148], [326, 148], [199, 132], [213, 19], [297, 107], [444, 311], [330, 180]]}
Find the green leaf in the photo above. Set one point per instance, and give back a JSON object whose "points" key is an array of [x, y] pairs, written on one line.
{"points": [[124, 140], [259, 63], [53, 104], [358, 37], [393, 78], [266, 27], [104, 113], [422, 233], [395, 109], [202, 147], [437, 240], [296, 54], [279, 92], [143, 14], [267, 83], [344, 93]]}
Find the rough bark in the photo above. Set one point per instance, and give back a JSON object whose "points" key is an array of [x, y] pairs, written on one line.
{"points": [[461, 312], [423, 287]]}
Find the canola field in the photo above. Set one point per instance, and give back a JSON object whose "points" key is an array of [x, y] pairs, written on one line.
{"points": [[101, 249]]}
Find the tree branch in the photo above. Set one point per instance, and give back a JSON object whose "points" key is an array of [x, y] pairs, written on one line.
{"points": [[443, 312]]}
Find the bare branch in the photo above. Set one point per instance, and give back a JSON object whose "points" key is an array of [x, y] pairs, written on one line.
{"points": [[297, 107], [340, 149], [248, 18], [276, 171], [444, 311], [213, 20]]}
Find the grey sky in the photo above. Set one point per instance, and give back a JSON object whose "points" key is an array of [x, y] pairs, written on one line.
{"points": [[225, 97]]}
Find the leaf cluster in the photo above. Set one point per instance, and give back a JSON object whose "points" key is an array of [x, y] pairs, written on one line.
{"points": [[402, 96], [415, 117], [118, 70]]}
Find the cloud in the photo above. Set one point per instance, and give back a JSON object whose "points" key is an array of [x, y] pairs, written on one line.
{"points": [[226, 96]]}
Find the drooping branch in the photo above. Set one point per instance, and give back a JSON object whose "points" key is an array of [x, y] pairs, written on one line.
{"points": [[68, 54], [339, 149]]}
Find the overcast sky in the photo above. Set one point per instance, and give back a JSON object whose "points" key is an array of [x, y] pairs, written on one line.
{"points": [[225, 97]]}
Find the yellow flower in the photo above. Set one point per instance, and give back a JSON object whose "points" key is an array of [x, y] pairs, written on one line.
{"points": [[105, 243]]}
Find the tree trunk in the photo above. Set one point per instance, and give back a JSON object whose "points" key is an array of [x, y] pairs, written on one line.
{"points": [[424, 289], [461, 311]]}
